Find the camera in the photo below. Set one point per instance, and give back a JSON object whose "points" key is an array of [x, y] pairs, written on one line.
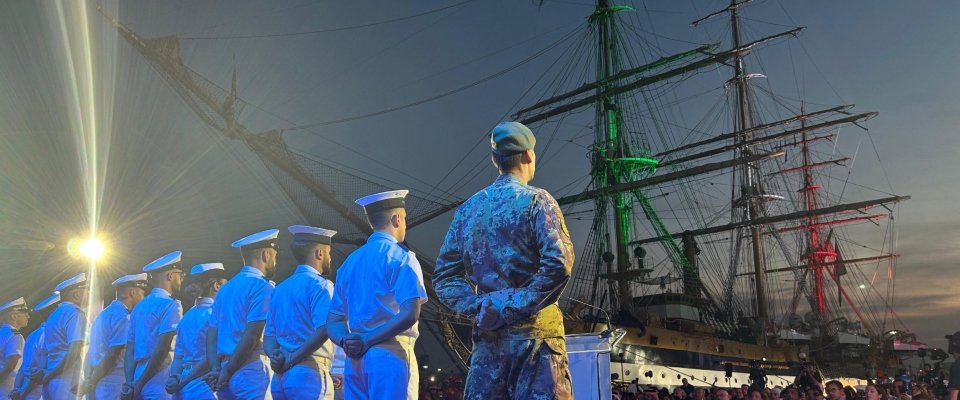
{"points": [[807, 377]]}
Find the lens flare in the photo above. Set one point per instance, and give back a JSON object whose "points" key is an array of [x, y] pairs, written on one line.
{"points": [[91, 249]]}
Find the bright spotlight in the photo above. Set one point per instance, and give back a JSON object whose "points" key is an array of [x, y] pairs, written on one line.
{"points": [[91, 249]]}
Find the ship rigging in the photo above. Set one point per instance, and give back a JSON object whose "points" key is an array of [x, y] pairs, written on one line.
{"points": [[685, 285]]}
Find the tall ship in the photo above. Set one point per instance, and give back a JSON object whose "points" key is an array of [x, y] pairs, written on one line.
{"points": [[717, 245], [727, 248]]}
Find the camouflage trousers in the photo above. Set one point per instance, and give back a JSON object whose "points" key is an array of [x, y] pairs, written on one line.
{"points": [[531, 369]]}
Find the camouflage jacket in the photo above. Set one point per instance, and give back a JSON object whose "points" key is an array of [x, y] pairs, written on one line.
{"points": [[508, 249]]}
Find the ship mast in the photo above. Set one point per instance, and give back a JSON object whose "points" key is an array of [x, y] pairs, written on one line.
{"points": [[817, 255], [750, 187], [615, 162], [611, 144]]}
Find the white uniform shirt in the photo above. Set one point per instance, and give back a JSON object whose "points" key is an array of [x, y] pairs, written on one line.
{"points": [[374, 280], [243, 299], [156, 314], [63, 328], [11, 344], [192, 332], [298, 308], [33, 354], [109, 330]]}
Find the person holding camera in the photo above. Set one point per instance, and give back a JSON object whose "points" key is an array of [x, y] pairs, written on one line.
{"points": [[807, 379]]}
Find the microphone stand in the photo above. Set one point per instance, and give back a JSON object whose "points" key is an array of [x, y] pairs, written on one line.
{"points": [[616, 333]]}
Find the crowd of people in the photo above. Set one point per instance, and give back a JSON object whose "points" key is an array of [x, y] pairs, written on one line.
{"points": [[897, 389]]}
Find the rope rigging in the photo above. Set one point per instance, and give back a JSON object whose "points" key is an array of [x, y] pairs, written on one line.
{"points": [[328, 30]]}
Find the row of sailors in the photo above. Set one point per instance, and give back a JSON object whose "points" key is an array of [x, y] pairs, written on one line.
{"points": [[265, 341]]}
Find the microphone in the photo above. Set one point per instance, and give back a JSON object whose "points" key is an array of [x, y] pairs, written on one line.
{"points": [[609, 331]]}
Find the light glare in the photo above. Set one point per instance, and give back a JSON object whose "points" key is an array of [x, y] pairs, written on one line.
{"points": [[92, 249]]}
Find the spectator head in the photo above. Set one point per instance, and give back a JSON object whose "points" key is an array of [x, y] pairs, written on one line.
{"points": [[699, 394], [835, 390], [814, 394], [872, 392], [790, 393]]}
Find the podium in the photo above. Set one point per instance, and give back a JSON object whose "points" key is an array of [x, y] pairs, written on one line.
{"points": [[589, 355]]}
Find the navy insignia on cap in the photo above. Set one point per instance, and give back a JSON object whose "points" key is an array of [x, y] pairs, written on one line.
{"points": [[78, 281], [47, 302], [311, 234], [259, 240], [383, 200], [15, 305], [168, 261], [137, 280]]}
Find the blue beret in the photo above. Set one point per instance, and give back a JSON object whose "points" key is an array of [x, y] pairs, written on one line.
{"points": [[509, 138]]}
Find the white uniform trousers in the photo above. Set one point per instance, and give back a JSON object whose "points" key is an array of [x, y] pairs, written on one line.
{"points": [[308, 380], [196, 389], [60, 387], [109, 386], [388, 371], [250, 382], [155, 388]]}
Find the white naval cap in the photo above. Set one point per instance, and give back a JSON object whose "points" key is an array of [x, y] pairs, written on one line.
{"points": [[204, 268], [78, 281], [259, 240], [137, 280], [167, 261], [383, 200], [47, 302], [15, 305], [311, 234]]}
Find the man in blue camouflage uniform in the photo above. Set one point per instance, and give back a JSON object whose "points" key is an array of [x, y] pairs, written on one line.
{"points": [[505, 261]]}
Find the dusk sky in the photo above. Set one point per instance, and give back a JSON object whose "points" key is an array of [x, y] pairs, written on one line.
{"points": [[167, 181]]}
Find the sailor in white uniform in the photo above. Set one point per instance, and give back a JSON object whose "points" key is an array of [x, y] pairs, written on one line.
{"points": [[239, 315], [295, 336], [153, 326], [190, 353], [63, 340], [104, 373], [29, 378], [378, 295], [15, 315]]}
